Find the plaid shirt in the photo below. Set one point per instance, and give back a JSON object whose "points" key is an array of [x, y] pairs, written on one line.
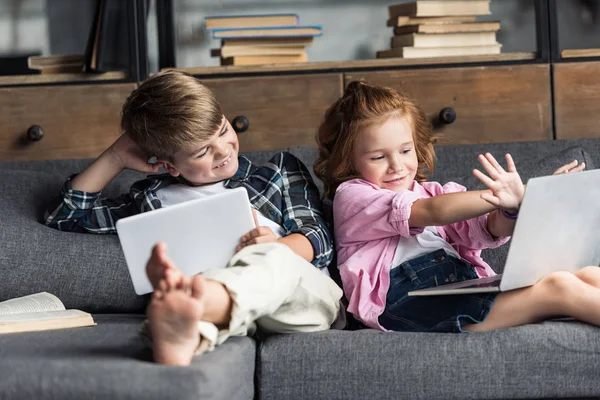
{"points": [[282, 190]]}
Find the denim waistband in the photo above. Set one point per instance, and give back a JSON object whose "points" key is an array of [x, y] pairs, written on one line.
{"points": [[436, 255]]}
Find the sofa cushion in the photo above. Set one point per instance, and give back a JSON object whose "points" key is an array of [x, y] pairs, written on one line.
{"points": [[458, 160], [85, 271], [548, 360], [108, 361]]}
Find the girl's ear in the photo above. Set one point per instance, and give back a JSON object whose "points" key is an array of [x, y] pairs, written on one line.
{"points": [[170, 168]]}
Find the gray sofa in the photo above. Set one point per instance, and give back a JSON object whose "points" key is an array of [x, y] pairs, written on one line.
{"points": [[550, 359]]}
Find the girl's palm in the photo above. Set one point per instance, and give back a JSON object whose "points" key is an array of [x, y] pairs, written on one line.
{"points": [[506, 185]]}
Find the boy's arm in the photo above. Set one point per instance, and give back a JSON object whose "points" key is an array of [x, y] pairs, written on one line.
{"points": [[300, 245], [124, 153], [79, 211], [79, 208], [302, 213]]}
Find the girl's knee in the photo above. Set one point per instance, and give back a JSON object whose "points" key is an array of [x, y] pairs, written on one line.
{"points": [[589, 274], [560, 284]]}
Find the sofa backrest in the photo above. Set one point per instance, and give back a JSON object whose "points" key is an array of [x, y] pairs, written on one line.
{"points": [[88, 271]]}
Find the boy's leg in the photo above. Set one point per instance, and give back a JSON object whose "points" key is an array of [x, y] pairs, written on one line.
{"points": [[271, 285], [173, 316], [266, 283], [560, 294]]}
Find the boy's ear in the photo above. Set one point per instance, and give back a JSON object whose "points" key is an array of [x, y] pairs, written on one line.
{"points": [[170, 168]]}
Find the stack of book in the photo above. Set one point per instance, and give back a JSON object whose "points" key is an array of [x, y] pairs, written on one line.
{"points": [[441, 28], [261, 39], [57, 64]]}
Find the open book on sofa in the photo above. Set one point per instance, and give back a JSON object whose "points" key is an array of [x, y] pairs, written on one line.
{"points": [[39, 312]]}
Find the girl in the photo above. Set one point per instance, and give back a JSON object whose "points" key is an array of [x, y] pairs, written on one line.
{"points": [[395, 232]]}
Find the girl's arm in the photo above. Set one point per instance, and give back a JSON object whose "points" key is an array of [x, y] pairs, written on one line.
{"points": [[446, 209], [506, 192]]}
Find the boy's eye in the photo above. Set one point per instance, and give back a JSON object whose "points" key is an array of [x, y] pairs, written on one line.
{"points": [[202, 154], [224, 132]]}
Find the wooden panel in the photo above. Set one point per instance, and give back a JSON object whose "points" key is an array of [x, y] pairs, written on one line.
{"points": [[63, 77], [78, 121], [492, 104], [577, 100], [282, 111]]}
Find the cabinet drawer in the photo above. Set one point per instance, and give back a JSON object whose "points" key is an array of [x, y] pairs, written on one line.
{"points": [[281, 111], [491, 104], [577, 100], [78, 121]]}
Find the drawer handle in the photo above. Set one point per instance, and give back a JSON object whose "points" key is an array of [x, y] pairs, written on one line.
{"points": [[445, 117], [240, 124], [35, 133]]}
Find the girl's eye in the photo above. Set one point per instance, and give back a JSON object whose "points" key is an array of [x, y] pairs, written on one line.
{"points": [[406, 151], [377, 158]]}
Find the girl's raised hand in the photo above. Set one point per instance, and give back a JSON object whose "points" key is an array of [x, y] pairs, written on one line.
{"points": [[506, 185], [569, 168]]}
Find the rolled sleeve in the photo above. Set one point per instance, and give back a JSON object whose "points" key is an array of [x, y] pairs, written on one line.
{"points": [[358, 204], [302, 208], [481, 236], [77, 199], [80, 211]]}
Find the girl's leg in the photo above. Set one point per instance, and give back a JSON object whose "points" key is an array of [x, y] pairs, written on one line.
{"points": [[590, 275], [558, 294]]}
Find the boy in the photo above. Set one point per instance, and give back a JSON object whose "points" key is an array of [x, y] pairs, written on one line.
{"points": [[270, 281]]}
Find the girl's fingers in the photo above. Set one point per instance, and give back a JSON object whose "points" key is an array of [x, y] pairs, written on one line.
{"points": [[578, 168], [489, 168], [483, 178], [510, 163], [494, 163]]}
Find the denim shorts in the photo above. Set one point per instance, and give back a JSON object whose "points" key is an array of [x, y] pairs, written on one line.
{"points": [[432, 313]]}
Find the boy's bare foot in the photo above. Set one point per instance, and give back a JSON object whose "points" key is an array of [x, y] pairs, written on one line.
{"points": [[160, 267], [173, 314]]}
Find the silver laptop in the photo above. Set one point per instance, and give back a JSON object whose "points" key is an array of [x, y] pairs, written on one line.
{"points": [[200, 234], [558, 229]]}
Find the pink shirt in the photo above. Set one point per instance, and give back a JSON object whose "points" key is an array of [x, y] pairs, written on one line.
{"points": [[368, 224]]}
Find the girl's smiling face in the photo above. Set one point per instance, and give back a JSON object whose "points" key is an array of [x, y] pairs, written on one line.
{"points": [[385, 154]]}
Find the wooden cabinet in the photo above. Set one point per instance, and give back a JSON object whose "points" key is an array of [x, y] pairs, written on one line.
{"points": [[75, 121], [492, 103], [577, 100], [281, 111]]}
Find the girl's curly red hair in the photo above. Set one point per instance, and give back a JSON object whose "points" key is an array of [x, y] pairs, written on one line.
{"points": [[361, 106]]}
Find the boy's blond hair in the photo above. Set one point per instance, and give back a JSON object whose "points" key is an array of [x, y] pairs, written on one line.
{"points": [[169, 112]]}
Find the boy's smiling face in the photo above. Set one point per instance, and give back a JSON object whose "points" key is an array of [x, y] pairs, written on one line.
{"points": [[208, 161]]}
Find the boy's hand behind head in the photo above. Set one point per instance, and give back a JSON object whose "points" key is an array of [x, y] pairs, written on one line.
{"points": [[128, 155]]}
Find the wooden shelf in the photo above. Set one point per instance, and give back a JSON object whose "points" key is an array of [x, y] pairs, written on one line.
{"points": [[355, 64], [52, 78], [576, 53]]}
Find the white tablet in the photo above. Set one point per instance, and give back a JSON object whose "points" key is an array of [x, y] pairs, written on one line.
{"points": [[200, 234]]}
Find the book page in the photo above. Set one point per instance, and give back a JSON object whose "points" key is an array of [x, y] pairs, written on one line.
{"points": [[33, 303], [40, 316]]}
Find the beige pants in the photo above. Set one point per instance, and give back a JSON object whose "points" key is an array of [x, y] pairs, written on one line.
{"points": [[272, 288]]}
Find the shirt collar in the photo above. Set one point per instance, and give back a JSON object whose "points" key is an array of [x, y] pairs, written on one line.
{"points": [[244, 169]]}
